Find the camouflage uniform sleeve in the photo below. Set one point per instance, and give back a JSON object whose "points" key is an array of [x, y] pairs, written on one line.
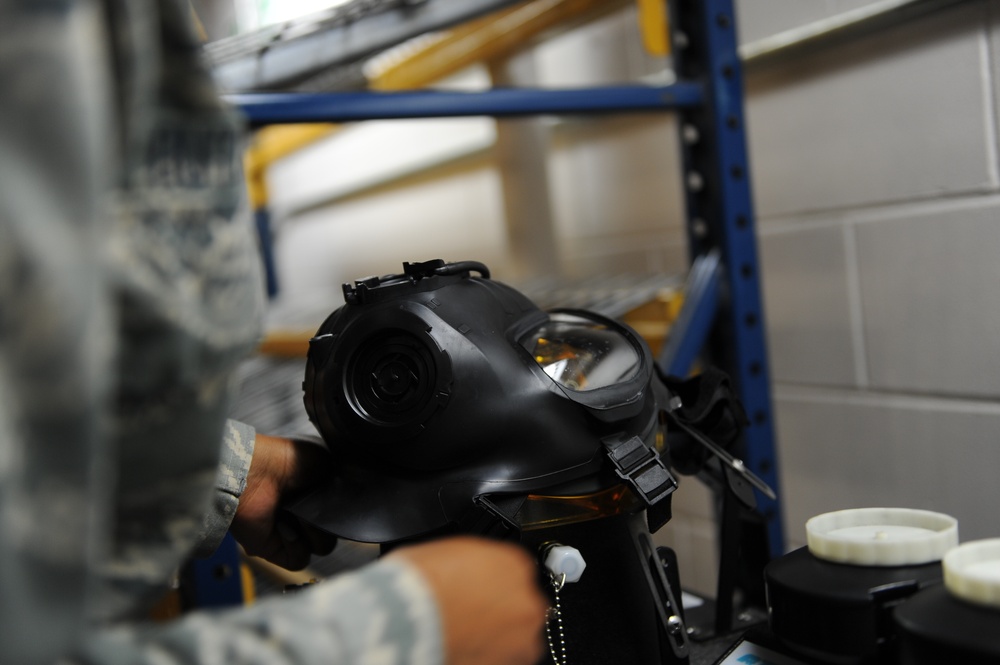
{"points": [[128, 289], [234, 465], [55, 323], [383, 614]]}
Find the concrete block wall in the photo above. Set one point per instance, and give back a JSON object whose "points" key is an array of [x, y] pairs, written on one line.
{"points": [[875, 175], [875, 171]]}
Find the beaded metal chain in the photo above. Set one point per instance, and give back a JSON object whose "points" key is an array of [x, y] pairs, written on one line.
{"points": [[557, 642]]}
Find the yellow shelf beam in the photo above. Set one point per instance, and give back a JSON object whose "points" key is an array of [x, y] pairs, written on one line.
{"points": [[494, 36], [424, 61]]}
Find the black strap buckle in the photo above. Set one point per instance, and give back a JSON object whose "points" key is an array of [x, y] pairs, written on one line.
{"points": [[641, 466]]}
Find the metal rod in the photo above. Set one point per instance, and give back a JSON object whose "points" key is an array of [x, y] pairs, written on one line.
{"points": [[689, 333], [278, 108], [278, 56]]}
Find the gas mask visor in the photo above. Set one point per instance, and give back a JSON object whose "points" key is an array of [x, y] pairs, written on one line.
{"points": [[596, 361]]}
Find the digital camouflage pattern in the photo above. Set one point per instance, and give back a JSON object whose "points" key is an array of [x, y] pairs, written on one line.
{"points": [[129, 290]]}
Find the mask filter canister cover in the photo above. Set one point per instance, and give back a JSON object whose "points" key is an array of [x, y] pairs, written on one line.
{"points": [[959, 621], [830, 600]]}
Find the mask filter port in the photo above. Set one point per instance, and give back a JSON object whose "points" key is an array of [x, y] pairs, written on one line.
{"points": [[390, 379]]}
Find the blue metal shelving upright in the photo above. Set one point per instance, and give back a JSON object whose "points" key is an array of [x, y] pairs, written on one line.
{"points": [[708, 98], [721, 219]]}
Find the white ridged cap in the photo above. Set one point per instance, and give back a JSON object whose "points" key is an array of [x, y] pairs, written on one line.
{"points": [[972, 572], [881, 536]]}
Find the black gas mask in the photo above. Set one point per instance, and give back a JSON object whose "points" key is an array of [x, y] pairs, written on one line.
{"points": [[443, 395], [453, 404]]}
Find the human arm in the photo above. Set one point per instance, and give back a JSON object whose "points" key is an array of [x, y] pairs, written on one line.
{"points": [[256, 472], [280, 466], [491, 609], [235, 456], [383, 613], [67, 428], [458, 601], [487, 602]]}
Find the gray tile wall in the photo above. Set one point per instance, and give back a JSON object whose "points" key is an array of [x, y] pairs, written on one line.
{"points": [[892, 117], [875, 171], [929, 281], [779, 16], [846, 449]]}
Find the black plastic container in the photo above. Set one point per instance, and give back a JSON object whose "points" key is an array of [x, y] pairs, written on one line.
{"points": [[958, 621], [840, 613]]}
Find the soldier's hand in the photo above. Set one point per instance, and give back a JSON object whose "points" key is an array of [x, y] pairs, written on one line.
{"points": [[492, 609], [280, 466]]}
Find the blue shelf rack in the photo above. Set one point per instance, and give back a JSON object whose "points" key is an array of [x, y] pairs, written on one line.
{"points": [[723, 317]]}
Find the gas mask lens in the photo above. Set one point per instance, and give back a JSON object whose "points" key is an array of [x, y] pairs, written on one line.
{"points": [[582, 354]]}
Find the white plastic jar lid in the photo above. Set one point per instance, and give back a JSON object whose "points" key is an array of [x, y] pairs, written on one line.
{"points": [[881, 536], [972, 572]]}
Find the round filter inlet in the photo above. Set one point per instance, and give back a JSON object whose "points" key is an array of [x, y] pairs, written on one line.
{"points": [[972, 572], [881, 536]]}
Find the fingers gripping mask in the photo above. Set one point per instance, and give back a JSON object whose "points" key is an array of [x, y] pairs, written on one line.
{"points": [[444, 395]]}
